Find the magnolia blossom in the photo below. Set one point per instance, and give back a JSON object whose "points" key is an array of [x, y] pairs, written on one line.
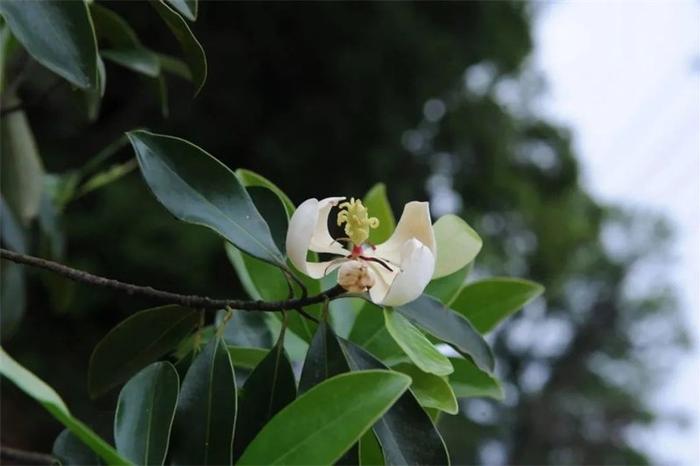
{"points": [[394, 272]]}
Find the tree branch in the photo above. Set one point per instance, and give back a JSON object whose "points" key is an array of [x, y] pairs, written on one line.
{"points": [[14, 456], [193, 301]]}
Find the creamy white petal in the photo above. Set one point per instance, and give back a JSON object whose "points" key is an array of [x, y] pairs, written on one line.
{"points": [[308, 230], [414, 223], [417, 264]]}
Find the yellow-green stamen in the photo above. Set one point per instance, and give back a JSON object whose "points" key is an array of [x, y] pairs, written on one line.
{"points": [[357, 223]]}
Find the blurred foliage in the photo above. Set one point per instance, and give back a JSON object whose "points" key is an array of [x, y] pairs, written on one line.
{"points": [[438, 101]]}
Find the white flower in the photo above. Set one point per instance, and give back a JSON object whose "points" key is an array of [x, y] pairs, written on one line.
{"points": [[395, 272]]}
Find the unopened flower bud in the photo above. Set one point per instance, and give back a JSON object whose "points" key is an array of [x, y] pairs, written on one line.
{"points": [[354, 276]]}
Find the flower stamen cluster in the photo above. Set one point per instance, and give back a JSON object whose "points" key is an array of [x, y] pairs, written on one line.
{"points": [[357, 221]]}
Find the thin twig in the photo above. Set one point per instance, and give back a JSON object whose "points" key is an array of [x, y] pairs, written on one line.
{"points": [[10, 455], [193, 301]]}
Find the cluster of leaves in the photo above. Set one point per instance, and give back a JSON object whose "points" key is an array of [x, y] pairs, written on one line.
{"points": [[385, 374], [76, 38]]}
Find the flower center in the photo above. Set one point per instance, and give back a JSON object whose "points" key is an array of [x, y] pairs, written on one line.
{"points": [[357, 222]]}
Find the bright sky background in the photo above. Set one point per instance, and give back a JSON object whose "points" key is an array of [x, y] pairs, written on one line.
{"points": [[625, 76]]}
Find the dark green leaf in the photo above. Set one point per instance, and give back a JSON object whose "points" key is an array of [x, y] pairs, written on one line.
{"points": [[191, 48], [457, 245], [247, 358], [247, 329], [70, 451], [206, 410], [378, 206], [450, 327], [136, 342], [416, 346], [59, 35], [197, 188], [269, 388], [370, 450], [324, 422], [430, 390], [145, 413], [370, 332], [405, 432], [468, 381], [140, 60], [250, 179], [324, 359], [44, 394], [487, 302], [187, 8]]}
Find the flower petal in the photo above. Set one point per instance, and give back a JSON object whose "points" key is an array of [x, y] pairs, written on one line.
{"points": [[414, 223], [417, 266], [308, 230]]}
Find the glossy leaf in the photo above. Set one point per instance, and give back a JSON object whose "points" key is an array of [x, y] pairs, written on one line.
{"points": [[250, 179], [70, 451], [487, 303], [431, 390], [469, 381], [370, 332], [450, 327], [416, 346], [246, 358], [247, 329], [324, 359], [144, 415], [21, 169], [457, 245], [59, 35], [187, 8], [136, 342], [370, 450], [405, 432], [378, 206], [259, 279], [206, 410], [269, 388], [197, 188], [446, 288], [191, 48], [44, 394], [324, 422]]}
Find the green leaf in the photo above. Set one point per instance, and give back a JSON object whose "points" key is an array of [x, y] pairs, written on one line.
{"points": [[469, 381], [145, 413], [107, 176], [41, 392], [250, 179], [206, 410], [324, 422], [450, 327], [246, 358], [21, 170], [260, 280], [187, 8], [268, 389], [416, 346], [70, 451], [457, 245], [370, 450], [405, 432], [324, 359], [197, 188], [191, 48], [378, 206], [488, 302], [430, 390], [136, 342], [370, 332], [247, 329], [59, 35], [125, 46], [445, 289]]}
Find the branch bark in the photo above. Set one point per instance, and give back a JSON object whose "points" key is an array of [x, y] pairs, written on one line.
{"points": [[14, 456], [193, 301]]}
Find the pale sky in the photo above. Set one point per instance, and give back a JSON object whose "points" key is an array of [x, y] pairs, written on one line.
{"points": [[625, 76]]}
